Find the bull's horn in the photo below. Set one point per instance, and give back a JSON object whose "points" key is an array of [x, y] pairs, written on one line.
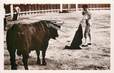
{"points": [[56, 27]]}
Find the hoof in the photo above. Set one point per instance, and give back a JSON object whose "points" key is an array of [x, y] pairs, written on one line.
{"points": [[44, 63], [38, 63], [14, 68], [26, 68]]}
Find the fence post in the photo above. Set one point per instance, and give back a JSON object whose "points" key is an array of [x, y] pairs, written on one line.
{"points": [[61, 7], [11, 10], [69, 7], [76, 7]]}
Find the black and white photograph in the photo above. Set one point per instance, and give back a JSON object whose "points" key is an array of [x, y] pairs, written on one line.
{"points": [[56, 36]]}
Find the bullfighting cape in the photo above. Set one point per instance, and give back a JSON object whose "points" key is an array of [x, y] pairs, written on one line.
{"points": [[77, 40]]}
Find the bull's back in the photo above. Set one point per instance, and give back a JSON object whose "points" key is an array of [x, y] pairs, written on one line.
{"points": [[27, 36]]}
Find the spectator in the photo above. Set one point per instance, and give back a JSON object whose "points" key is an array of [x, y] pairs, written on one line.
{"points": [[16, 13]]}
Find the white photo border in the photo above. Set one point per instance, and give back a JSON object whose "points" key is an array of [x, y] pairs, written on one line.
{"points": [[54, 1]]}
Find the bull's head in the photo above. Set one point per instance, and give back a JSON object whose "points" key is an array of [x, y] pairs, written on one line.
{"points": [[53, 29]]}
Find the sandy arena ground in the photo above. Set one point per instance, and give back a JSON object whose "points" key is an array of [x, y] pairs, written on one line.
{"points": [[94, 57]]}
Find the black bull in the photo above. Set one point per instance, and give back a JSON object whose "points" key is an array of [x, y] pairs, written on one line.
{"points": [[27, 37]]}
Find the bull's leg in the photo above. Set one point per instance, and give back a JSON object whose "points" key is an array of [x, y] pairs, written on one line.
{"points": [[12, 58], [44, 53], [25, 60], [38, 58], [43, 57]]}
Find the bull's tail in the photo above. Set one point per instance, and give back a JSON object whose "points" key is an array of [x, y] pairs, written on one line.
{"points": [[18, 52], [11, 38]]}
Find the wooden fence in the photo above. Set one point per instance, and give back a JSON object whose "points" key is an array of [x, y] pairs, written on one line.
{"points": [[44, 8]]}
